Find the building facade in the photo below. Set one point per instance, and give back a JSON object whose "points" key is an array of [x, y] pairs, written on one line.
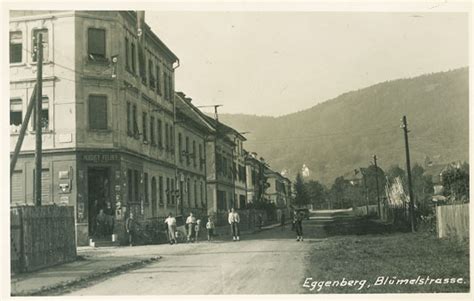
{"points": [[107, 114]]}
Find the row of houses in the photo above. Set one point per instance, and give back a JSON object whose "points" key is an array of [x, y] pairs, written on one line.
{"points": [[116, 135]]}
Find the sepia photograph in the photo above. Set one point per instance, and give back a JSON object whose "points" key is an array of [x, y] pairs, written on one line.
{"points": [[236, 149]]}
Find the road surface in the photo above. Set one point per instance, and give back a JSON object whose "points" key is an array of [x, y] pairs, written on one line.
{"points": [[269, 262]]}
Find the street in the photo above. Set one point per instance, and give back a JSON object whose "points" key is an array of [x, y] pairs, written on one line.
{"points": [[269, 262]]}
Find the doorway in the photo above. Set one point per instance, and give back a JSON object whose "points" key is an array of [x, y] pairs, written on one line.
{"points": [[98, 199]]}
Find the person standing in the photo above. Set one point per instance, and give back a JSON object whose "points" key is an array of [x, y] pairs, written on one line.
{"points": [[234, 220], [298, 222], [101, 220], [210, 229], [260, 221], [171, 223], [197, 228], [131, 227], [190, 223]]}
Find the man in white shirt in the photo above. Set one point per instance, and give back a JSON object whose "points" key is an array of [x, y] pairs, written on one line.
{"points": [[171, 222], [234, 220], [190, 223]]}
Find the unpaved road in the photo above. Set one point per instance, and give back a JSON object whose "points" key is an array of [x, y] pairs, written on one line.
{"points": [[269, 262]]}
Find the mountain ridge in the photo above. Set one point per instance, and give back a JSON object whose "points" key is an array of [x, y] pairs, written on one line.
{"points": [[342, 133]]}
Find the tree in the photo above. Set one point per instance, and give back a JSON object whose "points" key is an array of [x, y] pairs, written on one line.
{"points": [[317, 193], [456, 182], [301, 194]]}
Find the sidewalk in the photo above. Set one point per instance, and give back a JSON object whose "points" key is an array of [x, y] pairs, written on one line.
{"points": [[92, 263]]}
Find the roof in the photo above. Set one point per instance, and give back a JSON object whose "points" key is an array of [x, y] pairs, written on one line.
{"points": [[185, 107]]}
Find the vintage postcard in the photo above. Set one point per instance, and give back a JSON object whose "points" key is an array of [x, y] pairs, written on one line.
{"points": [[237, 148]]}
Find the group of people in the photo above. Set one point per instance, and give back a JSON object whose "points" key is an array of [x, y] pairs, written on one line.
{"points": [[194, 226]]}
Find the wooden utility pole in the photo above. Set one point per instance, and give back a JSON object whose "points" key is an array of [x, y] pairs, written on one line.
{"points": [[38, 125], [410, 189], [377, 184]]}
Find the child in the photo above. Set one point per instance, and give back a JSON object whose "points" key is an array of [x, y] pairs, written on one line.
{"points": [[196, 229], [210, 229]]}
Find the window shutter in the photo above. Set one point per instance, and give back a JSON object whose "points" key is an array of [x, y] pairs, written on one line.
{"points": [[17, 186]]}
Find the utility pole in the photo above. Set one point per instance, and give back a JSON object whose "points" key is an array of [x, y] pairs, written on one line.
{"points": [[377, 184], [410, 189], [366, 192], [38, 125]]}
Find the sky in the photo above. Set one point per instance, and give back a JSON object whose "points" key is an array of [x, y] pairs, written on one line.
{"points": [[276, 63]]}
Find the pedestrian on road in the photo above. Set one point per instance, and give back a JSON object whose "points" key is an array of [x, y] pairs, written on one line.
{"points": [[260, 221], [131, 227], [210, 229], [298, 221], [190, 223], [234, 220], [197, 228], [171, 223]]}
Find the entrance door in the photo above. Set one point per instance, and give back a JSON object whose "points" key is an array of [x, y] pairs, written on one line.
{"points": [[99, 196]]}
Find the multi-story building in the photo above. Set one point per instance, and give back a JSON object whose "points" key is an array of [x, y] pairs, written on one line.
{"points": [[107, 113], [191, 132], [278, 189], [239, 171], [255, 177]]}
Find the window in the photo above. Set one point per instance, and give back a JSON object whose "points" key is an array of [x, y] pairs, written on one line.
{"points": [[154, 195], [45, 40], [168, 191], [167, 137], [201, 159], [194, 153], [136, 185], [44, 114], [160, 190], [166, 86], [16, 47], [180, 147], [187, 151], [97, 112], [130, 184], [141, 65], [160, 134], [151, 78], [96, 44], [144, 127], [188, 188], [135, 122], [145, 181], [170, 86], [196, 203], [173, 192], [16, 111], [203, 203], [129, 119], [133, 58], [127, 54], [152, 130], [158, 79], [171, 138]]}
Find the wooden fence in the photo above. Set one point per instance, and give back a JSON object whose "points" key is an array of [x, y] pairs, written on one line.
{"points": [[41, 236], [452, 221]]}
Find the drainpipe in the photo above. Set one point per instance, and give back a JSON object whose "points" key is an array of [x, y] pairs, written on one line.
{"points": [[173, 191]]}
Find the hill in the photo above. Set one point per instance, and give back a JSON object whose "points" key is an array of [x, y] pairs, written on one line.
{"points": [[341, 134]]}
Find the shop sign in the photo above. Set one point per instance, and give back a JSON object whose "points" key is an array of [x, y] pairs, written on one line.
{"points": [[100, 158]]}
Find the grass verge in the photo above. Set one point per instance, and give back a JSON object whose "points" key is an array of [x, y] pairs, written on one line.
{"points": [[398, 257]]}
